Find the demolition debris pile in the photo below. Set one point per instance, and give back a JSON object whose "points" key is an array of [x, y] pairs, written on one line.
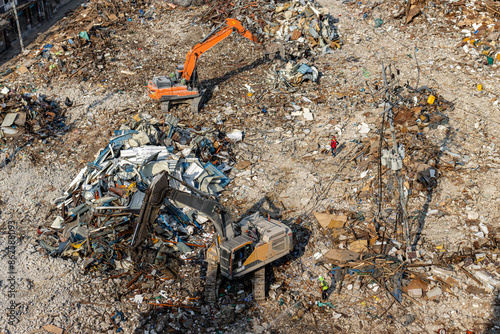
{"points": [[407, 156], [86, 44], [25, 113], [297, 27], [98, 209]]}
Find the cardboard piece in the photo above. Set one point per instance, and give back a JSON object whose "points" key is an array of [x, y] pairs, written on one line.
{"points": [[475, 290], [53, 329], [451, 281], [403, 115], [89, 26], [358, 246], [341, 255], [242, 164], [327, 220], [416, 283], [21, 119], [22, 69]]}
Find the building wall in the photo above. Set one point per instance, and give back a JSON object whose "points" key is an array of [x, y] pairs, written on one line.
{"points": [[30, 14]]}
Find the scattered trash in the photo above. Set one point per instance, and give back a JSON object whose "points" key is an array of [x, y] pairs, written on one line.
{"points": [[292, 75], [30, 114]]}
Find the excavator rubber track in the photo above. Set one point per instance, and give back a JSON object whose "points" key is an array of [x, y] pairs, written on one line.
{"points": [[259, 285], [211, 283]]}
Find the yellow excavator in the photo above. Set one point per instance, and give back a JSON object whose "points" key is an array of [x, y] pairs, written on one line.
{"points": [[183, 84], [238, 248]]}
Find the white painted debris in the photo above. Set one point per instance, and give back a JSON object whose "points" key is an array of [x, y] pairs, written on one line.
{"points": [[124, 264], [9, 131], [434, 293], [472, 215], [194, 170], [139, 154], [363, 128], [235, 135], [415, 293], [484, 228], [317, 255], [307, 114], [138, 299], [249, 88], [487, 279], [57, 222]]}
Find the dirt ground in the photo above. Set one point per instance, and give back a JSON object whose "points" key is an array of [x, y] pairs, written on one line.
{"points": [[289, 161]]}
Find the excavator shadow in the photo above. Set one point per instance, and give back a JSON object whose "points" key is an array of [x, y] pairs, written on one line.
{"points": [[209, 85], [268, 206]]}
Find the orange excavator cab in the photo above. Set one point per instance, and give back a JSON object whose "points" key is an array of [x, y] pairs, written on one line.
{"points": [[183, 84]]}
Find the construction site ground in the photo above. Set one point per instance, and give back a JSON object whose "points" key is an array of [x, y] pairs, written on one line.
{"points": [[288, 159]]}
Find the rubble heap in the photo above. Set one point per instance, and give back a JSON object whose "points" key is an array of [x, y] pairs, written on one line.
{"points": [[30, 114], [98, 209], [297, 28], [85, 44]]}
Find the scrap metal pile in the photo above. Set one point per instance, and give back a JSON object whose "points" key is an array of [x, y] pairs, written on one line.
{"points": [[411, 148], [98, 210], [24, 112]]}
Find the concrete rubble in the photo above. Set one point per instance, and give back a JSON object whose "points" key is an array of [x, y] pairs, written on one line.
{"points": [[401, 222]]}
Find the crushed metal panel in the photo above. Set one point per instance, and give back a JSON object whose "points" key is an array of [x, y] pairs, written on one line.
{"points": [[212, 170], [193, 172], [136, 201], [9, 119]]}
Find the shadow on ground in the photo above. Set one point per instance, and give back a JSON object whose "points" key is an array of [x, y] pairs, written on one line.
{"points": [[32, 34]]}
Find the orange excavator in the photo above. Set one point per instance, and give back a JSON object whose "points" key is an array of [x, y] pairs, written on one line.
{"points": [[183, 85]]}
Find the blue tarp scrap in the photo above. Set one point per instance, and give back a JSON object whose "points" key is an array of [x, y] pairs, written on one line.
{"points": [[397, 285], [304, 69]]}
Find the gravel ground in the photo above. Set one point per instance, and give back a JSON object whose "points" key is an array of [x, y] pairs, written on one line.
{"points": [[288, 161]]}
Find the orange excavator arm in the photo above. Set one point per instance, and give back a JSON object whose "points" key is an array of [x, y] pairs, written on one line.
{"points": [[211, 40]]}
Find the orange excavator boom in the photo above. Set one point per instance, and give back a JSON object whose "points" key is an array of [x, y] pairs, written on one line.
{"points": [[216, 36]]}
